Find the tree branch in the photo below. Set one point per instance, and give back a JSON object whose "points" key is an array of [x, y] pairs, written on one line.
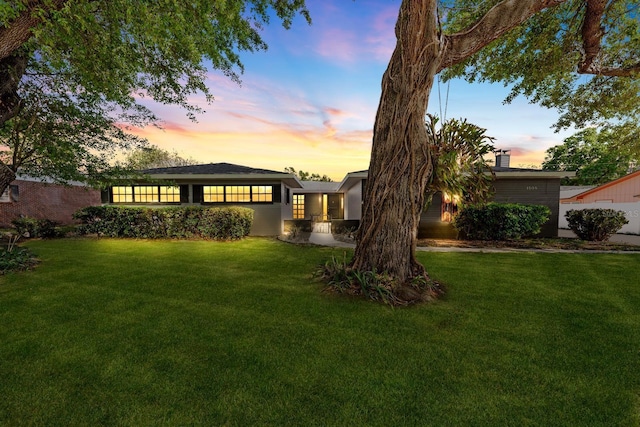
{"points": [[499, 20], [592, 33], [16, 32]]}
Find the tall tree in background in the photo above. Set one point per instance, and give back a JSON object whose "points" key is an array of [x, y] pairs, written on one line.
{"points": [[540, 46], [63, 138], [595, 155], [307, 176], [155, 157], [116, 50]]}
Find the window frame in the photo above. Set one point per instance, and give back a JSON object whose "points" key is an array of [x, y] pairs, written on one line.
{"points": [[297, 201], [152, 194], [239, 194]]}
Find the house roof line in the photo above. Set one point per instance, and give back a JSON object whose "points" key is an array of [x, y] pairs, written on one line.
{"points": [[608, 184]]}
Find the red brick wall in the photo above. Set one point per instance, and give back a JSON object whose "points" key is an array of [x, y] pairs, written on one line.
{"points": [[47, 201]]}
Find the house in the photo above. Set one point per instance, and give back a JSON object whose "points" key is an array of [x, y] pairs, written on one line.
{"points": [[32, 197], [267, 192], [343, 200], [622, 194], [622, 190], [279, 198]]}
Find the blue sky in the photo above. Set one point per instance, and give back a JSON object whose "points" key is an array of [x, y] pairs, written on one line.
{"points": [[310, 100]]}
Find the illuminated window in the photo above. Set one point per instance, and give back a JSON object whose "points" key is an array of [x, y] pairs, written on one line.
{"points": [[261, 193], [122, 194], [238, 193], [169, 194], [145, 193], [298, 206], [449, 207], [213, 193]]}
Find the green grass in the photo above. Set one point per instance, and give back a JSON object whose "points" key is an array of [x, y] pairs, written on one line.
{"points": [[124, 332]]}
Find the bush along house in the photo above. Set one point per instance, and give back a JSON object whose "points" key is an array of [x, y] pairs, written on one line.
{"points": [[265, 191]]}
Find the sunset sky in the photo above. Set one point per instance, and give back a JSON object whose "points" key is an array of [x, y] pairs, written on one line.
{"points": [[310, 101]]}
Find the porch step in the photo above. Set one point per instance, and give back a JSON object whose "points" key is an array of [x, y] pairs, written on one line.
{"points": [[322, 227]]}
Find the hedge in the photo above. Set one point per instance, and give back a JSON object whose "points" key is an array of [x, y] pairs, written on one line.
{"points": [[220, 223], [595, 224], [500, 221]]}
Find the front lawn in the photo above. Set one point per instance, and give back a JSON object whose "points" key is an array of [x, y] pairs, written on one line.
{"points": [[126, 332]]}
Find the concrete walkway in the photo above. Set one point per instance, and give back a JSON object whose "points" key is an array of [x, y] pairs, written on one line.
{"points": [[326, 239]]}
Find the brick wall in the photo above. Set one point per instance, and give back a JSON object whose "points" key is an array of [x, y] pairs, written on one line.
{"points": [[47, 201]]}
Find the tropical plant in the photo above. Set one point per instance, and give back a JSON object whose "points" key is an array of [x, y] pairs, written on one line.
{"points": [[458, 149]]}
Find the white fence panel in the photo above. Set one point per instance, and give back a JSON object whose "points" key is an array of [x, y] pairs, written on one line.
{"points": [[631, 211]]}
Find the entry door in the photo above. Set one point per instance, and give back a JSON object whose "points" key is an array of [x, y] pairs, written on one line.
{"points": [[335, 206]]}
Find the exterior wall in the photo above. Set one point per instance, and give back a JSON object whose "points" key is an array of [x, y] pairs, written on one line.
{"points": [[47, 201], [631, 210], [625, 191], [266, 219], [312, 205], [532, 192], [431, 225], [353, 203]]}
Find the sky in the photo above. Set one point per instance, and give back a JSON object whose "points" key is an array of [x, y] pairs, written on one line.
{"points": [[309, 101]]}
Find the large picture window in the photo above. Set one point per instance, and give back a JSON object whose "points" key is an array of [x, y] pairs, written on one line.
{"points": [[237, 193], [145, 194], [298, 206], [122, 194], [213, 193]]}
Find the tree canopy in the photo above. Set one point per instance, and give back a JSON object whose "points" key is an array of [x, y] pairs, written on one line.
{"points": [[61, 137], [595, 155], [120, 50]]}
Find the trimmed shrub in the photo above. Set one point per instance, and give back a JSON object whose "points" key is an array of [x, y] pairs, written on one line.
{"points": [[32, 227], [595, 225], [226, 223], [500, 221]]}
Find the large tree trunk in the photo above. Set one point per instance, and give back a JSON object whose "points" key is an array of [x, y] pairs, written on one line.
{"points": [[7, 175], [11, 70], [400, 160]]}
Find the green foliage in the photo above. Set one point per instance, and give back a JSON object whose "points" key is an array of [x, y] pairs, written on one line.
{"points": [[500, 221], [380, 287], [595, 224], [229, 223], [67, 136], [120, 49], [458, 150], [155, 157], [16, 259], [596, 156], [307, 176], [35, 228], [539, 60]]}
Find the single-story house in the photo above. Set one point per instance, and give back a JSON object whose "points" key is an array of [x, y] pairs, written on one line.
{"points": [[35, 198], [267, 192], [279, 197]]}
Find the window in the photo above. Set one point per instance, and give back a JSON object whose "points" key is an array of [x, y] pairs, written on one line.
{"points": [[122, 194], [145, 194], [169, 194], [298, 206], [213, 194], [262, 193], [238, 193]]}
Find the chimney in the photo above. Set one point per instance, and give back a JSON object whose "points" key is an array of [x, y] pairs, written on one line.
{"points": [[502, 158]]}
